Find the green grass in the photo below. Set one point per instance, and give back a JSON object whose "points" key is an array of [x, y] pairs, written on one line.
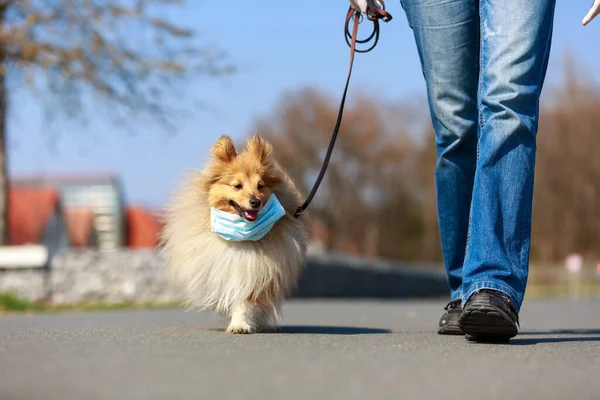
{"points": [[11, 303]]}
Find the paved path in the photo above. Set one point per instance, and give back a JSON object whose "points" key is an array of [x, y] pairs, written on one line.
{"points": [[328, 350]]}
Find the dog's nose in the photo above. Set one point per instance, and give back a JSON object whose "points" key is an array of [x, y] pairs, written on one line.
{"points": [[254, 202]]}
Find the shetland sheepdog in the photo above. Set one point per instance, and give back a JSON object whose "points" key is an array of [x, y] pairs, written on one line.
{"points": [[245, 281]]}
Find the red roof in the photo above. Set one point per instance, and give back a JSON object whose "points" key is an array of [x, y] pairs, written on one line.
{"points": [[30, 210], [143, 227], [80, 222]]}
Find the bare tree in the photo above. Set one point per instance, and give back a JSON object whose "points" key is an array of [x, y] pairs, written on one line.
{"points": [[379, 191], [367, 186], [76, 55], [567, 202]]}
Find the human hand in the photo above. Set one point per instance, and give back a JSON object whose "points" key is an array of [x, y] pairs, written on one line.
{"points": [[361, 5], [595, 10]]}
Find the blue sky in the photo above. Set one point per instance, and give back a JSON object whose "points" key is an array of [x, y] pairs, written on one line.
{"points": [[275, 50]]}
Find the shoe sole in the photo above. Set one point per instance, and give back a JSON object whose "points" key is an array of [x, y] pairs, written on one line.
{"points": [[484, 322]]}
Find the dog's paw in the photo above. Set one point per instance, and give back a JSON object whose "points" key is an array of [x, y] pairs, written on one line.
{"points": [[240, 329]]}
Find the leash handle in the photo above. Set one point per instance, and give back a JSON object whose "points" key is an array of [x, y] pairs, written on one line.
{"points": [[377, 11], [375, 14]]}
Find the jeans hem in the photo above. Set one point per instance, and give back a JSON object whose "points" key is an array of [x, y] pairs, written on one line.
{"points": [[456, 295], [493, 286]]}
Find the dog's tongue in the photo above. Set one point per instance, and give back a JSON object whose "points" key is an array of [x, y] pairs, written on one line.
{"points": [[251, 215]]}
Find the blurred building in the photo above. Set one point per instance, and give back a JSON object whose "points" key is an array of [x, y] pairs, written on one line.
{"points": [[94, 207], [36, 216], [80, 222], [143, 227]]}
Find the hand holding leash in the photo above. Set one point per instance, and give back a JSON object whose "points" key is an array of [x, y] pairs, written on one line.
{"points": [[595, 10], [359, 5], [373, 9]]}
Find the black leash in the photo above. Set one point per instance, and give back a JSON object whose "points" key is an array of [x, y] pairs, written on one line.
{"points": [[375, 12]]}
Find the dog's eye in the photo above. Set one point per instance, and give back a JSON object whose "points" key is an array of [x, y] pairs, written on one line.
{"points": [[237, 186], [260, 186]]}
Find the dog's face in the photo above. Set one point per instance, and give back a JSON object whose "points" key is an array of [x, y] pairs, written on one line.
{"points": [[241, 183]]}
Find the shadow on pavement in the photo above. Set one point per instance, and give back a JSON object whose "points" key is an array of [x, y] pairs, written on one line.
{"points": [[563, 332], [329, 330], [318, 330], [532, 341], [558, 336]]}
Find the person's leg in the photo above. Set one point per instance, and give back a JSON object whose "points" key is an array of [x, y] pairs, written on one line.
{"points": [[447, 38], [515, 45]]}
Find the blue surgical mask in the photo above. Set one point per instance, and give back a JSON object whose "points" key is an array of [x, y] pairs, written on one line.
{"points": [[235, 228]]}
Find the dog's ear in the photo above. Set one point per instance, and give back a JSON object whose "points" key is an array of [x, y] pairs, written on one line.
{"points": [[261, 149], [224, 150]]}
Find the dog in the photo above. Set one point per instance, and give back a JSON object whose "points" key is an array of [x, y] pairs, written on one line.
{"points": [[245, 281]]}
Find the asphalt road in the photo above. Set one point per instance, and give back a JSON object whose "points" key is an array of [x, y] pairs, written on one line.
{"points": [[327, 350]]}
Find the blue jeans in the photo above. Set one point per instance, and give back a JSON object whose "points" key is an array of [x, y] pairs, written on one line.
{"points": [[484, 63]]}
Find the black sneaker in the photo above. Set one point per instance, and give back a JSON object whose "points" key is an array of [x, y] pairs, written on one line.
{"points": [[489, 316], [449, 321]]}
